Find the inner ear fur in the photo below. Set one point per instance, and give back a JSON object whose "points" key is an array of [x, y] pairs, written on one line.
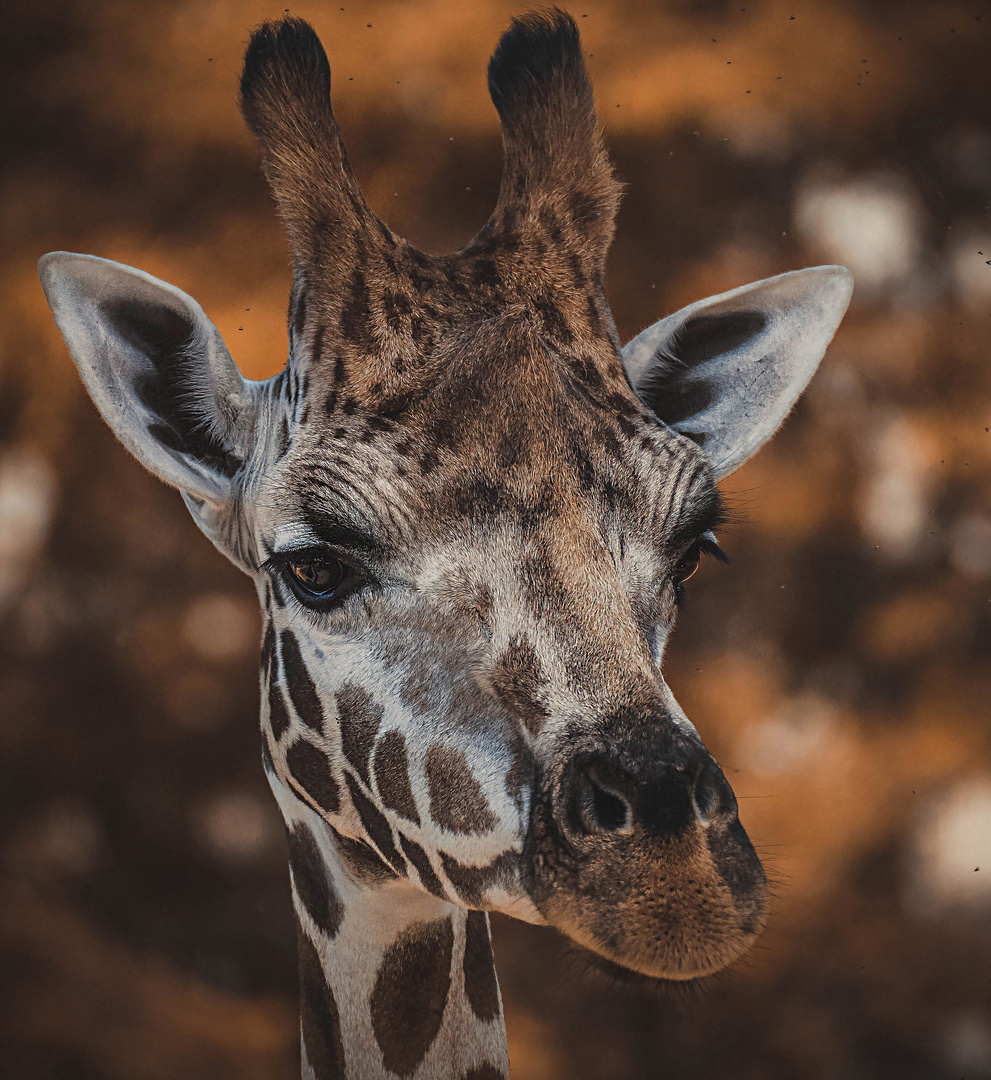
{"points": [[727, 370], [157, 369]]}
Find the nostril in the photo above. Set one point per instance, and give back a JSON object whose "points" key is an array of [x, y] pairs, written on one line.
{"points": [[610, 811], [713, 796], [600, 808]]}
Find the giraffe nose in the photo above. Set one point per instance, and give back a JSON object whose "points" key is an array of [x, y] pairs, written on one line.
{"points": [[604, 798]]}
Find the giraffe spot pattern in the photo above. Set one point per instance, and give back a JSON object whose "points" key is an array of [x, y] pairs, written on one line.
{"points": [[361, 861], [313, 884], [481, 986], [302, 692], [278, 717], [320, 1020], [410, 994], [419, 859], [470, 882], [392, 776], [359, 717], [375, 824], [310, 768], [457, 802], [516, 679]]}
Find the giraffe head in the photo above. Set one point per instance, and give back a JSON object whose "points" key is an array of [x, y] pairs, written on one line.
{"points": [[469, 514]]}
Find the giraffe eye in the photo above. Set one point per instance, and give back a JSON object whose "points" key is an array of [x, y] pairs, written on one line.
{"points": [[314, 578], [688, 564]]}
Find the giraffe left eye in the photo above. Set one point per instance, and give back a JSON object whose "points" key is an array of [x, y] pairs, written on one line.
{"points": [[314, 578]]}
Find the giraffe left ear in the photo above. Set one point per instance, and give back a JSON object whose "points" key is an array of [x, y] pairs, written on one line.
{"points": [[726, 371], [157, 369]]}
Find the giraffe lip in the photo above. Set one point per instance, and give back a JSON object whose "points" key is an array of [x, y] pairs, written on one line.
{"points": [[602, 967]]}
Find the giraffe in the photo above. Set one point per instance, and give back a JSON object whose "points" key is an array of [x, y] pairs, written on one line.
{"points": [[469, 515]]}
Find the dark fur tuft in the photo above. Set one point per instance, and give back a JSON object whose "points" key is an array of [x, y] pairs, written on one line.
{"points": [[537, 66], [556, 169], [286, 75], [285, 99]]}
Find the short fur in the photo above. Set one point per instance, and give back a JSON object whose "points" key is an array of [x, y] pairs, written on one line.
{"points": [[476, 720]]}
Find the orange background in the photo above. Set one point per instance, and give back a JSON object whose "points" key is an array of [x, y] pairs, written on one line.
{"points": [[839, 668]]}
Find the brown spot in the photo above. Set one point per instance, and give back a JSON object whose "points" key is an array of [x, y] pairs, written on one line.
{"points": [[305, 699], [313, 884], [457, 801], [375, 825], [356, 318], [516, 679], [320, 1021], [310, 768], [410, 994], [470, 882], [418, 857], [359, 717], [361, 862], [479, 967], [278, 717], [392, 776]]}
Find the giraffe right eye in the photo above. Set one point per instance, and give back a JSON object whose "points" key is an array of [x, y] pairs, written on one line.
{"points": [[315, 579]]}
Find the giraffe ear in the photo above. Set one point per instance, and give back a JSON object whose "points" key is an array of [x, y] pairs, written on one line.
{"points": [[156, 368], [726, 371]]}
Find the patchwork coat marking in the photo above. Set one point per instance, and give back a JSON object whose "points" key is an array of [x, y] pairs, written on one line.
{"points": [[469, 515]]}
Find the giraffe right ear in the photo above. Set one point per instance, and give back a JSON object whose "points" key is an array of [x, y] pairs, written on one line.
{"points": [[726, 371], [156, 368]]}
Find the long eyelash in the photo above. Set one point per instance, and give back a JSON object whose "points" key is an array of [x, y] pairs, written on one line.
{"points": [[279, 561], [708, 545]]}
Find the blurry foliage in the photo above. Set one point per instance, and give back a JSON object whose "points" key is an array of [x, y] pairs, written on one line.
{"points": [[839, 669]]}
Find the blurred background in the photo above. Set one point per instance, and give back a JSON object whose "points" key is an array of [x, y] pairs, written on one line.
{"points": [[840, 668]]}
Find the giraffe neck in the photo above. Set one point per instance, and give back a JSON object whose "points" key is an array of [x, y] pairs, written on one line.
{"points": [[393, 981]]}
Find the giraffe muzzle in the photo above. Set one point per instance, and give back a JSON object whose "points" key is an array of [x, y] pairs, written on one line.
{"points": [[637, 853]]}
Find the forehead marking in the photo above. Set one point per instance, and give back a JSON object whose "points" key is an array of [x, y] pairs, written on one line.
{"points": [[313, 884], [302, 692], [375, 826], [481, 986], [457, 802], [392, 776], [320, 1021], [359, 717], [310, 768], [516, 679], [410, 994]]}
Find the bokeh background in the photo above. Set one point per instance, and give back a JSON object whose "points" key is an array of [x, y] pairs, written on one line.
{"points": [[839, 668]]}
